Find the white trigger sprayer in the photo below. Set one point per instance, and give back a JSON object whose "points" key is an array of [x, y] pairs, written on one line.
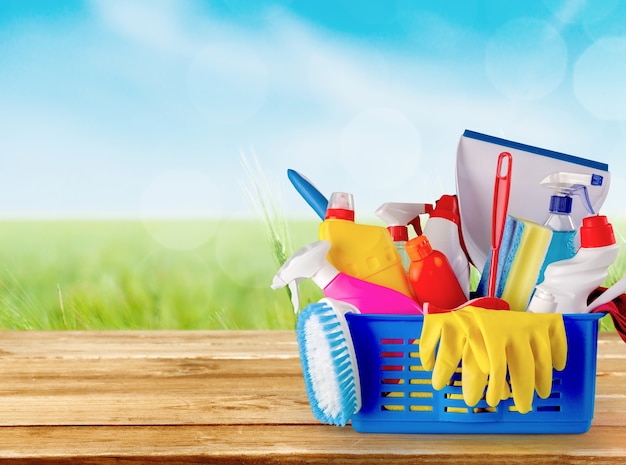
{"points": [[565, 185]]}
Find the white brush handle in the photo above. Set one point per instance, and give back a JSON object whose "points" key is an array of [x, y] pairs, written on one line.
{"points": [[615, 290]]}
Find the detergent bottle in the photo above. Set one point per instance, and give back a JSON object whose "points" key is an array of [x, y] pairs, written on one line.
{"points": [[398, 215], [311, 262], [565, 185], [364, 251], [443, 231], [431, 275], [570, 281]]}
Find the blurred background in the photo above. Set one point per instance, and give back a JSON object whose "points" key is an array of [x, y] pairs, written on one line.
{"points": [[144, 143]]}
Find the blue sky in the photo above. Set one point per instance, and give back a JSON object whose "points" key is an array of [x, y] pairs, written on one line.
{"points": [[131, 108]]}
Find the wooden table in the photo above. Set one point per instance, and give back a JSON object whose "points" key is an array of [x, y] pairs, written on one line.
{"points": [[233, 397]]}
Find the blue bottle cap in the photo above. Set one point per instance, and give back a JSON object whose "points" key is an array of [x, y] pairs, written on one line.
{"points": [[560, 204]]}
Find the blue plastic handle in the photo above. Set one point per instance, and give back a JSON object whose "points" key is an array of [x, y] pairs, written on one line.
{"points": [[309, 193]]}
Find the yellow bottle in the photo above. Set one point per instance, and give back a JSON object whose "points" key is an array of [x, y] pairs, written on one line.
{"points": [[364, 251]]}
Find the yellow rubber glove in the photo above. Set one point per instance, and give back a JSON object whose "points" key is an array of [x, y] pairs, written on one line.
{"points": [[452, 334], [476, 367], [453, 330], [528, 344], [444, 329]]}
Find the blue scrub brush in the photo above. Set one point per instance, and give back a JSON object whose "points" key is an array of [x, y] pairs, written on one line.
{"points": [[328, 360]]}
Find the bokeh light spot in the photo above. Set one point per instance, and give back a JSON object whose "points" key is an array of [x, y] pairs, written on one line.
{"points": [[526, 59], [181, 209], [381, 148], [599, 77]]}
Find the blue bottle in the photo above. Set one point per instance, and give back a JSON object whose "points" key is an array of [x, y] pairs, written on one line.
{"points": [[559, 219]]}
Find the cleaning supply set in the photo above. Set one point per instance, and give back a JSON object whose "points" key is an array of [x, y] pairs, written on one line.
{"points": [[406, 346]]}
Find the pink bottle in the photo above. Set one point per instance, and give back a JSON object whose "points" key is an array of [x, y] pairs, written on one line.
{"points": [[310, 262]]}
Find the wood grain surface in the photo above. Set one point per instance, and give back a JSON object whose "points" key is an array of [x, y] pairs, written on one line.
{"points": [[233, 397]]}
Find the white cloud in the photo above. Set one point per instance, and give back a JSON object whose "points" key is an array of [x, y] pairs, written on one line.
{"points": [[154, 23]]}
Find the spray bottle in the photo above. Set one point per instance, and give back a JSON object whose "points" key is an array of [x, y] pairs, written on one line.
{"points": [[311, 262], [559, 219], [431, 275], [364, 251], [443, 230], [568, 283], [398, 216]]}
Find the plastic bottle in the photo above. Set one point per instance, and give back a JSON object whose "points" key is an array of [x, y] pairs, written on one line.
{"points": [[559, 219], [571, 281], [443, 232], [398, 216], [364, 251], [311, 262], [431, 275], [543, 301]]}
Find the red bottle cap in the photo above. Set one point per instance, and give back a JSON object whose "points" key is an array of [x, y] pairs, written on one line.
{"points": [[399, 233], [339, 214], [596, 231]]}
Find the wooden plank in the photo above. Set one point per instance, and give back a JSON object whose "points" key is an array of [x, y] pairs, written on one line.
{"points": [[148, 344], [161, 391], [299, 444], [173, 344], [254, 401], [610, 345], [183, 344]]}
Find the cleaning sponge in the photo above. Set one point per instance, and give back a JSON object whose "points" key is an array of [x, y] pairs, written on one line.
{"points": [[522, 252]]}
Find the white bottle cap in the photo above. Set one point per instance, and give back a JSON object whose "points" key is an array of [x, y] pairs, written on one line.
{"points": [[542, 302]]}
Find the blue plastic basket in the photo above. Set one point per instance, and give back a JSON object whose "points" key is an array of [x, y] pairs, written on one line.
{"points": [[398, 396]]}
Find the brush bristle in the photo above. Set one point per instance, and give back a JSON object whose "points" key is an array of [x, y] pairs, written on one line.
{"points": [[326, 364]]}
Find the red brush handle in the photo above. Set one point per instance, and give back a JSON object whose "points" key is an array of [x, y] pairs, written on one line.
{"points": [[501, 192]]}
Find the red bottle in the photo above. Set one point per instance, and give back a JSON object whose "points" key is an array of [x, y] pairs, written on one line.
{"points": [[431, 275]]}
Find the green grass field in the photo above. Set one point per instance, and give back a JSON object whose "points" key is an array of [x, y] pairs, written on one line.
{"points": [[130, 275], [159, 275]]}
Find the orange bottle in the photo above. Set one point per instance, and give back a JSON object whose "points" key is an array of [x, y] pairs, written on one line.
{"points": [[431, 275]]}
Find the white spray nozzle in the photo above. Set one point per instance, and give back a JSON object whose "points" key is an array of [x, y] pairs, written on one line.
{"points": [[401, 213], [568, 184], [308, 262]]}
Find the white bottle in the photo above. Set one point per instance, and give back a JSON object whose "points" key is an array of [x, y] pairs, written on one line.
{"points": [[398, 215], [571, 281], [442, 230]]}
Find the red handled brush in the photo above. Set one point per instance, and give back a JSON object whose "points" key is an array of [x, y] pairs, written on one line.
{"points": [[501, 192]]}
